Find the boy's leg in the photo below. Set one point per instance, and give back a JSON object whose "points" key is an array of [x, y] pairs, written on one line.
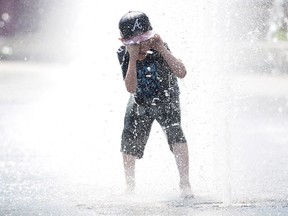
{"points": [[129, 170], [181, 154]]}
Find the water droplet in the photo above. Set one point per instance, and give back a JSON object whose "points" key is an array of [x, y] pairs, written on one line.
{"points": [[6, 50], [6, 17]]}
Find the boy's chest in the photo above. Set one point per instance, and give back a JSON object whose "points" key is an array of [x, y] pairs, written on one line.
{"points": [[147, 70]]}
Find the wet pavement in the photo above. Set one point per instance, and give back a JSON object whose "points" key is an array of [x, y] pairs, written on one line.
{"points": [[58, 156]]}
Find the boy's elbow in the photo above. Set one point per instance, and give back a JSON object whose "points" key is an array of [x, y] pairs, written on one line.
{"points": [[130, 89], [130, 86], [182, 73]]}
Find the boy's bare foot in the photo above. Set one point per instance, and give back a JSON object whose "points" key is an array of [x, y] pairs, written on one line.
{"points": [[186, 191], [130, 189]]}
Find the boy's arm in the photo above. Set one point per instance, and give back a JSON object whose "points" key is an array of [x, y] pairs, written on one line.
{"points": [[128, 66], [176, 65], [131, 75]]}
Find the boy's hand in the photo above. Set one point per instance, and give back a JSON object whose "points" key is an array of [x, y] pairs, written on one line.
{"points": [[134, 51], [157, 43]]}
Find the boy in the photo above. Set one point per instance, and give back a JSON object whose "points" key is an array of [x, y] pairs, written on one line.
{"points": [[150, 74]]}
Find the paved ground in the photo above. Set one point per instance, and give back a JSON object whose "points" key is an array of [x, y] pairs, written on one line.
{"points": [[60, 149]]}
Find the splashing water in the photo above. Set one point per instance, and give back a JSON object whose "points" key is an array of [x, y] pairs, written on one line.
{"points": [[64, 132], [277, 36]]}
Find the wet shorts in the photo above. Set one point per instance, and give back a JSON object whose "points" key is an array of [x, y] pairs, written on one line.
{"points": [[138, 122]]}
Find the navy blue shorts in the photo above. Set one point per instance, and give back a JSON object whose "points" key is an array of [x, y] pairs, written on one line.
{"points": [[138, 122]]}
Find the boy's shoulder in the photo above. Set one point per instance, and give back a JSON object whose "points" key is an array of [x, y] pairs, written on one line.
{"points": [[122, 54], [122, 50]]}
